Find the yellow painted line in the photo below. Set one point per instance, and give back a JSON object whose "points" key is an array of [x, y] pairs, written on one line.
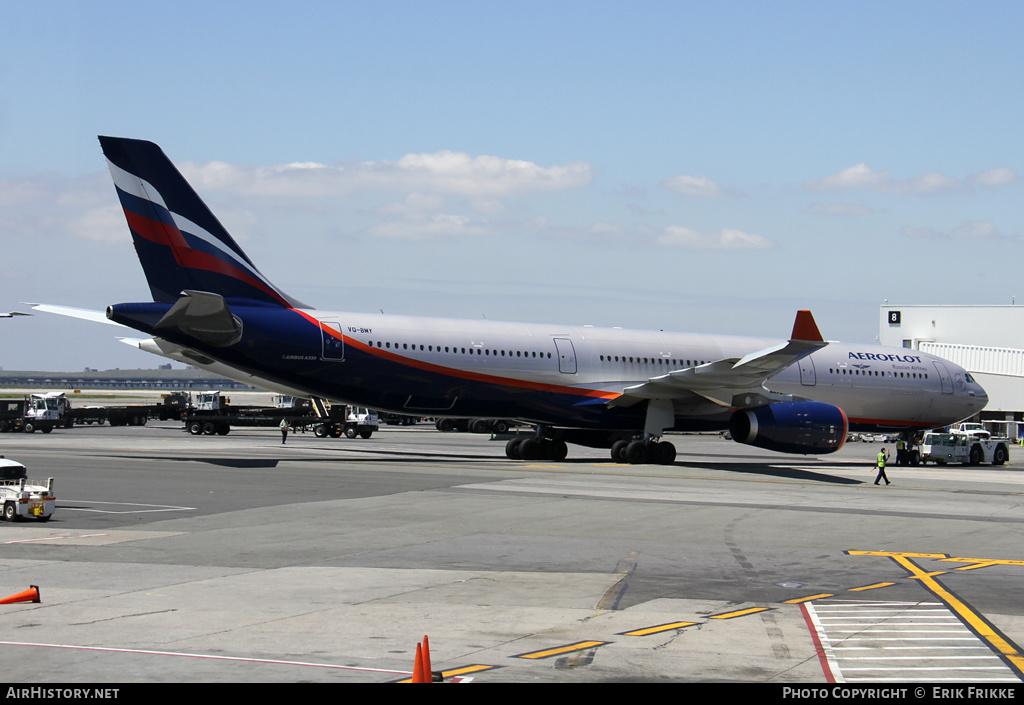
{"points": [[477, 668], [871, 587], [569, 648], [739, 613], [893, 554], [798, 600], [658, 629], [978, 624], [981, 562]]}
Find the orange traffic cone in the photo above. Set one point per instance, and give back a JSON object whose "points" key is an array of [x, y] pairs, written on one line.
{"points": [[418, 675], [30, 595], [426, 660]]}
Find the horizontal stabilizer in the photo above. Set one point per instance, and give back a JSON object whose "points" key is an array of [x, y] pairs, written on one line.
{"points": [[203, 316], [84, 313]]}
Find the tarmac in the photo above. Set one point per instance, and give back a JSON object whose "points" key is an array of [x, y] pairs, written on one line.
{"points": [[178, 558]]}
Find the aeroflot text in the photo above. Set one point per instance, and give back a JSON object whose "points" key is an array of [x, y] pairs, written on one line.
{"points": [[884, 358], [846, 693]]}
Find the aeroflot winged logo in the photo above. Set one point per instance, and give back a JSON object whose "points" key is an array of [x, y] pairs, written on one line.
{"points": [[884, 358]]}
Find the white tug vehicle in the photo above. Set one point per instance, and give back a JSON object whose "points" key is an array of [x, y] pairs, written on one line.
{"points": [[22, 500], [968, 443]]}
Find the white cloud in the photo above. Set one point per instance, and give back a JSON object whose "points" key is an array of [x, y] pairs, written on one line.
{"points": [[694, 186], [429, 227], [862, 177], [101, 225], [977, 230], [999, 176], [854, 177], [442, 172], [413, 203], [724, 239]]}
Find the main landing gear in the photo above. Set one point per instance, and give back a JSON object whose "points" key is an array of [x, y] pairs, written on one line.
{"points": [[532, 448], [635, 452], [639, 452]]}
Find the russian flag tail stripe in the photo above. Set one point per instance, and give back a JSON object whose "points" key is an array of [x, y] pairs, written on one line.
{"points": [[180, 243]]}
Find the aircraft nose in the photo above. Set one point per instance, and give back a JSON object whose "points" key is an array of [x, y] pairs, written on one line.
{"points": [[979, 393]]}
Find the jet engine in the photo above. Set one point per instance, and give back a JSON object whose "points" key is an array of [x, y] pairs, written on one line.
{"points": [[807, 427]]}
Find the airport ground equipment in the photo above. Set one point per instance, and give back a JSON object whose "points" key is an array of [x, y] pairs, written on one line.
{"points": [[214, 414], [22, 499], [12, 415], [46, 411], [393, 419], [969, 447]]}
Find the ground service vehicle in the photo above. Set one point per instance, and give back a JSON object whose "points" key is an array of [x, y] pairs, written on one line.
{"points": [[960, 447], [46, 411], [215, 415], [21, 499]]}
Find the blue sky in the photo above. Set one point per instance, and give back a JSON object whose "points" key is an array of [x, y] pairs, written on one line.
{"points": [[676, 165]]}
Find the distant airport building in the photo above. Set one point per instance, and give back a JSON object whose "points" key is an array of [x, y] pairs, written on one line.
{"points": [[162, 378], [987, 341]]}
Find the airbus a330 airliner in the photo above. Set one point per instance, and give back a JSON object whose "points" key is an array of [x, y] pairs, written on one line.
{"points": [[599, 387]]}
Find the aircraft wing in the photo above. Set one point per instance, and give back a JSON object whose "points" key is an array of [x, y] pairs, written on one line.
{"points": [[12, 314], [731, 382]]}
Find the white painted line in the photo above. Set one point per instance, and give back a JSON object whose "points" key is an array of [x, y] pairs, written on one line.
{"points": [[55, 538], [936, 642], [152, 508], [146, 652]]}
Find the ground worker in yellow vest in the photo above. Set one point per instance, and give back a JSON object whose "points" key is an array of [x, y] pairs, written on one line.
{"points": [[901, 453], [883, 455]]}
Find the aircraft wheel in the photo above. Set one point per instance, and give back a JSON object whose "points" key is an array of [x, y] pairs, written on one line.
{"points": [[664, 453], [637, 453], [557, 450], [619, 451], [530, 449], [512, 449]]}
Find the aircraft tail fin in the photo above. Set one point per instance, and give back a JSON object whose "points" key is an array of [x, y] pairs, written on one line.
{"points": [[180, 243]]}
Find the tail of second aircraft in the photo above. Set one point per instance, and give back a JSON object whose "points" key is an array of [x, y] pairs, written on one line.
{"points": [[181, 244]]}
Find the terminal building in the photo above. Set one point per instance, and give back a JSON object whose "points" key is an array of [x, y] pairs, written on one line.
{"points": [[987, 341]]}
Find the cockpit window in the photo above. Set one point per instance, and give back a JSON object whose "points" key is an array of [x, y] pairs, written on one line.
{"points": [[967, 376]]}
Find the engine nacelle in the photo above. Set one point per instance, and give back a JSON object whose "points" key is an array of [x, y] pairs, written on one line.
{"points": [[806, 427]]}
